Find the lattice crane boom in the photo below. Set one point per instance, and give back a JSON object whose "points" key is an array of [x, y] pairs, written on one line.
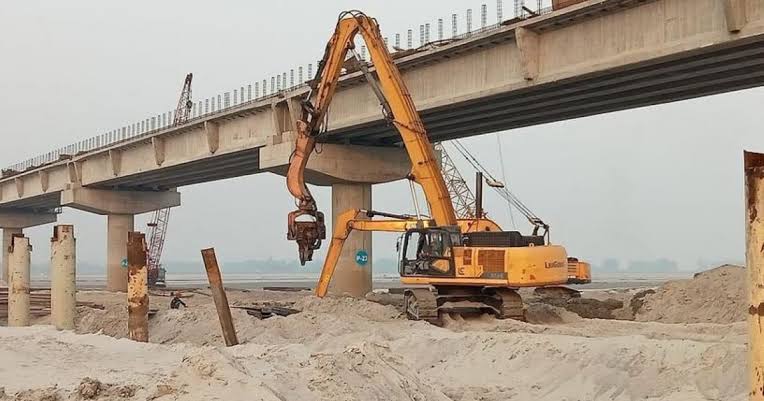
{"points": [[501, 189], [183, 111], [161, 219], [461, 194]]}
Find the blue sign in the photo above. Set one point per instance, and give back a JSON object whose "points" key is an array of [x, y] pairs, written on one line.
{"points": [[362, 257], [123, 263]]}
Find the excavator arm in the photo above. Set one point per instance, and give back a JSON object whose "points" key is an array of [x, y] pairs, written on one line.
{"points": [[349, 221], [398, 108]]}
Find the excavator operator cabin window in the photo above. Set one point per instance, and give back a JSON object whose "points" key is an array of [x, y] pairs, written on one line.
{"points": [[414, 244], [438, 242]]}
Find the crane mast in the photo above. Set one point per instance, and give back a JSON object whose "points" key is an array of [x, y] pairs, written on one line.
{"points": [[461, 194], [539, 226], [183, 110], [161, 218]]}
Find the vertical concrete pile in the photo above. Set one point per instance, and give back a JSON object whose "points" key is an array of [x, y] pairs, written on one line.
{"points": [[18, 285], [63, 290], [8, 234]]}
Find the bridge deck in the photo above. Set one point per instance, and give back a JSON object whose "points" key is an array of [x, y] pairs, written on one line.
{"points": [[595, 57]]}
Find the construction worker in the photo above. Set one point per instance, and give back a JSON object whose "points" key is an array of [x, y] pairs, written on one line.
{"points": [[176, 302]]}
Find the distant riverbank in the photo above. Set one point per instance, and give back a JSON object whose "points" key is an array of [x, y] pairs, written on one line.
{"points": [[257, 280]]}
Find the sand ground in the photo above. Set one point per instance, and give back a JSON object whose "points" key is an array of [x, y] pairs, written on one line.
{"points": [[346, 349]]}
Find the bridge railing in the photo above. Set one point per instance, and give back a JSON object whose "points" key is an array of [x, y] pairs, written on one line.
{"points": [[260, 90], [145, 128]]}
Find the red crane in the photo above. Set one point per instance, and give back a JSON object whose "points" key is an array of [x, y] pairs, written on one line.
{"points": [[158, 224]]}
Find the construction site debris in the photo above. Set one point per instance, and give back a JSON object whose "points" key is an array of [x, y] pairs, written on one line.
{"points": [[89, 388], [585, 307], [39, 302], [386, 298], [287, 289], [638, 300], [540, 313], [264, 312], [164, 292]]}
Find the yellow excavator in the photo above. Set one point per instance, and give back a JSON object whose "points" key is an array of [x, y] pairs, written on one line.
{"points": [[457, 266]]}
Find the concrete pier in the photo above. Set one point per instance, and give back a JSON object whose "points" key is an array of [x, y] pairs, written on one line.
{"points": [[350, 171], [14, 222], [120, 207], [118, 225], [8, 234], [63, 289], [354, 269], [18, 286]]}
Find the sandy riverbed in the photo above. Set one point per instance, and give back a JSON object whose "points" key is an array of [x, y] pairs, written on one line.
{"points": [[345, 349]]}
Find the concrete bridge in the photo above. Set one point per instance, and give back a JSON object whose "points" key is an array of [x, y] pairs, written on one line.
{"points": [[594, 57]]}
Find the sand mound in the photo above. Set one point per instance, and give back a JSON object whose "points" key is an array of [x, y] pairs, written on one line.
{"points": [[198, 324], [348, 349], [348, 307], [538, 313], [713, 296], [418, 362], [109, 321]]}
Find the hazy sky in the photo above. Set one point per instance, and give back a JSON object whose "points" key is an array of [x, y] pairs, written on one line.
{"points": [[663, 181]]}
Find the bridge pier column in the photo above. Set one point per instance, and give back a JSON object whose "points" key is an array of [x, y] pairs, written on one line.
{"points": [[8, 233], [350, 170], [117, 227], [18, 285], [120, 207], [14, 222], [353, 275]]}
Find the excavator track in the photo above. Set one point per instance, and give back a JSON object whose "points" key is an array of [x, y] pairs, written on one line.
{"points": [[512, 306], [421, 304], [431, 304]]}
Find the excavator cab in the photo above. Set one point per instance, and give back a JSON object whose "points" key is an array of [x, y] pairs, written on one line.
{"points": [[429, 251]]}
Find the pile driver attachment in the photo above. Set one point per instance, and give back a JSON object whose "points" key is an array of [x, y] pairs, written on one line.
{"points": [[308, 234]]}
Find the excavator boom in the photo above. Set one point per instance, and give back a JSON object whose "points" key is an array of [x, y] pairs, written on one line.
{"points": [[355, 220], [399, 109]]}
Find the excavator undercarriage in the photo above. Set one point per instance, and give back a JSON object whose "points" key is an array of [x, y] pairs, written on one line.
{"points": [[430, 304]]}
